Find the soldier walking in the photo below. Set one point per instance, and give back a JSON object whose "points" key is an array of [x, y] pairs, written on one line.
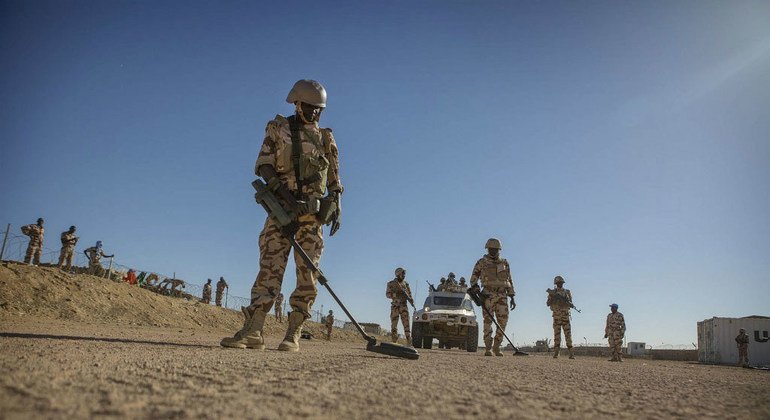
{"points": [[399, 293], [221, 286], [206, 298], [35, 246], [279, 307], [68, 242], [329, 322], [743, 348], [94, 255], [496, 286], [614, 331], [560, 302], [300, 162]]}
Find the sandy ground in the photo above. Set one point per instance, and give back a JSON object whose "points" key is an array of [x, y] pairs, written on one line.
{"points": [[61, 369]]}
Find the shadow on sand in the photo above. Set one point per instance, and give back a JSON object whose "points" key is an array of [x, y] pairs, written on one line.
{"points": [[103, 339]]}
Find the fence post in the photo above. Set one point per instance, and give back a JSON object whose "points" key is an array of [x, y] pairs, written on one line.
{"points": [[109, 270], [227, 292], [5, 239]]}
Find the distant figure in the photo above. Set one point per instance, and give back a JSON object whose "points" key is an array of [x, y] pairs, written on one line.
{"points": [[35, 246], [463, 284], [68, 241], [279, 307], [206, 298], [221, 286], [743, 348], [329, 324], [614, 331], [398, 291], [174, 283], [130, 277], [441, 285], [94, 255], [560, 301]]}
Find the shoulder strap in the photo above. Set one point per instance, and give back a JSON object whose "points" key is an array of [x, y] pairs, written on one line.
{"points": [[296, 151]]}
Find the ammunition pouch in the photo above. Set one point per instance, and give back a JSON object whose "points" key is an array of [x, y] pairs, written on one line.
{"points": [[327, 209]]}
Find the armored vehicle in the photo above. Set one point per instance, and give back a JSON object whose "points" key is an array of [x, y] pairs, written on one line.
{"points": [[447, 316]]}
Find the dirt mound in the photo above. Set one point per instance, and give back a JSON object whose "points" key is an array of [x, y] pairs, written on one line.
{"points": [[48, 293]]}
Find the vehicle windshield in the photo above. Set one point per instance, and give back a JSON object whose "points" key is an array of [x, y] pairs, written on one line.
{"points": [[454, 302]]}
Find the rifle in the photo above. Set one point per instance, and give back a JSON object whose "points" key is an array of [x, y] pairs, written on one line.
{"points": [[552, 294], [408, 295], [430, 286], [479, 298]]}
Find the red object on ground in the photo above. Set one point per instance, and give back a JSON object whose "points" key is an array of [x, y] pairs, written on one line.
{"points": [[130, 278]]}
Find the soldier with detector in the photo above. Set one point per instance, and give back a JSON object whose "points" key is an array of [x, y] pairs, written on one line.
{"points": [[560, 302], [614, 331], [496, 287], [35, 246], [399, 293], [221, 286], [299, 164], [743, 348], [68, 242]]}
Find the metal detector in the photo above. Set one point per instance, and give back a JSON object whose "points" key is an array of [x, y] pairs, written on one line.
{"points": [[478, 300]]}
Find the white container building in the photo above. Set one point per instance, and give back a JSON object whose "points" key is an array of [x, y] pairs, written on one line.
{"points": [[635, 349], [716, 340]]}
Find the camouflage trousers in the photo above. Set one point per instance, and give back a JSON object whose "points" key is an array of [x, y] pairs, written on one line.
{"points": [[329, 332], [33, 252], [206, 296], [561, 322], [218, 297], [274, 254], [743, 355], [65, 257], [279, 311], [95, 268], [496, 304], [399, 310], [615, 339]]}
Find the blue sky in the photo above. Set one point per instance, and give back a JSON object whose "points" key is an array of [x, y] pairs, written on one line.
{"points": [[623, 145]]}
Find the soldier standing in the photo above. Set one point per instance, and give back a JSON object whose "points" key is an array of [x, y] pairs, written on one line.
{"points": [[614, 331], [441, 285], [68, 242], [743, 348], [206, 298], [495, 275], [221, 286], [279, 307], [463, 284], [94, 255], [329, 322], [35, 246], [560, 302], [301, 163], [399, 293]]}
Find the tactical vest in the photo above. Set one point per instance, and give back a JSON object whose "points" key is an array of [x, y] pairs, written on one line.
{"points": [[495, 275], [301, 151]]}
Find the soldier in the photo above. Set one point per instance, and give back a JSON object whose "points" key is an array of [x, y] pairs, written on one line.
{"points": [[614, 331], [399, 293], [300, 161], [560, 301], [441, 285], [495, 275], [463, 285], [279, 307], [35, 246], [450, 280], [329, 322], [206, 298], [68, 241], [743, 348], [221, 286], [94, 255]]}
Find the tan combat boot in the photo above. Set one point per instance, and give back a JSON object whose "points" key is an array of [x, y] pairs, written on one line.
{"points": [[291, 340], [496, 348], [571, 353], [556, 352], [394, 337], [488, 347], [250, 336]]}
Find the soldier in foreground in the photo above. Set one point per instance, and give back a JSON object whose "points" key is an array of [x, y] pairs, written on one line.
{"points": [[68, 242], [329, 322], [614, 331], [94, 255], [279, 307], [299, 162], [221, 286], [35, 246], [560, 302], [206, 298], [399, 293], [496, 287], [743, 348]]}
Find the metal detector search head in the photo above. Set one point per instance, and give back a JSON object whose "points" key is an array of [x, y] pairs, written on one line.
{"points": [[391, 349]]}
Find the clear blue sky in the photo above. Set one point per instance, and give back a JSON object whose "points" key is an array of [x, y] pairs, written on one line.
{"points": [[623, 145]]}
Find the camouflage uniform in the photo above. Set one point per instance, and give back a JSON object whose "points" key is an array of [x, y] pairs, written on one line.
{"points": [[221, 285], [497, 284], [398, 308], [743, 348], [95, 255], [279, 307], [206, 298], [560, 312], [615, 330], [35, 247], [68, 241], [329, 322]]}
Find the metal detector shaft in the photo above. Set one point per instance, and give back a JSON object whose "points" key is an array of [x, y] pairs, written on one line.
{"points": [[489, 314]]}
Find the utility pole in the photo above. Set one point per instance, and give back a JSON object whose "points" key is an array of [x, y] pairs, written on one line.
{"points": [[5, 239]]}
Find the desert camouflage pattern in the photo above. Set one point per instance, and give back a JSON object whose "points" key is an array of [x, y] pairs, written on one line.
{"points": [[279, 307], [743, 349], [615, 330], [560, 310], [398, 308], [221, 286], [94, 261], [497, 285], [68, 241], [35, 246], [206, 297], [329, 322]]}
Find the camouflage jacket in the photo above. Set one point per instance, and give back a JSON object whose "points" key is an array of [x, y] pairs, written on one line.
{"points": [[559, 299], [35, 233], [329, 320], [742, 339], [494, 274], [279, 299], [221, 285], [68, 240], [395, 292], [207, 288], [319, 154], [615, 322]]}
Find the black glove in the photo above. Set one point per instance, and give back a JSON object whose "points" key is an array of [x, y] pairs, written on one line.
{"points": [[336, 221], [513, 303]]}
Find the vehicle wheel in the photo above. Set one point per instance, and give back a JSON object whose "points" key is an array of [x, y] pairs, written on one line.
{"points": [[472, 339], [416, 335], [427, 342]]}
